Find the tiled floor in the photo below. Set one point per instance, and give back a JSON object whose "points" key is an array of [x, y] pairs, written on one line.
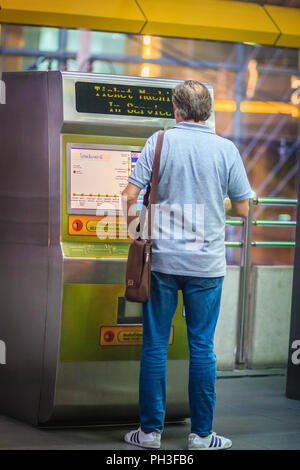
{"points": [[252, 411]]}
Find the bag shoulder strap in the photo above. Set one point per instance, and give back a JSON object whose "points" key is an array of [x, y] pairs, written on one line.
{"points": [[154, 181], [152, 188]]}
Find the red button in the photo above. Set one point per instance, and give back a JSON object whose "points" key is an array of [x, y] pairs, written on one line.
{"points": [[77, 225], [108, 336]]}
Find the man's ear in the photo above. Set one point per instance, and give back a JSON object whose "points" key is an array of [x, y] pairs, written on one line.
{"points": [[176, 114]]}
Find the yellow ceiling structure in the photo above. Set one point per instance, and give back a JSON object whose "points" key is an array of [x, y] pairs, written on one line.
{"points": [[111, 15], [221, 20], [288, 22], [212, 19]]}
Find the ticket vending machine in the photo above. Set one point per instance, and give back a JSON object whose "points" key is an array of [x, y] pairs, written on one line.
{"points": [[72, 341]]}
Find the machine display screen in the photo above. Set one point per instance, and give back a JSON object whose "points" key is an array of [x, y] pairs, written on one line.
{"points": [[97, 178], [126, 100]]}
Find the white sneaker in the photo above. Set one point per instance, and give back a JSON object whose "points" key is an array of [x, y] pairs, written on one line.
{"points": [[210, 442], [139, 438]]}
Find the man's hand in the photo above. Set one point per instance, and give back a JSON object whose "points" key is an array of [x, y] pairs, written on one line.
{"points": [[227, 204]]}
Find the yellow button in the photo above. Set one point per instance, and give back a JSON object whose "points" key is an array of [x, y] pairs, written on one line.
{"points": [[91, 225]]}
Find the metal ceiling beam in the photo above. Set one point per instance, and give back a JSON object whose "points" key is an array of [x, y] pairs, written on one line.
{"points": [[60, 54]]}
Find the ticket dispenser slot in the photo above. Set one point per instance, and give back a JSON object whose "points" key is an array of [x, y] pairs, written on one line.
{"points": [[129, 312]]}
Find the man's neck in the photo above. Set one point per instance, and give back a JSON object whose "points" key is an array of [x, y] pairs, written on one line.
{"points": [[189, 120]]}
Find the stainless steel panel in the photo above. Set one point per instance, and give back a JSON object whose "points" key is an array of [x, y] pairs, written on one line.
{"points": [[133, 126], [24, 206], [94, 271], [123, 126], [107, 392], [55, 258]]}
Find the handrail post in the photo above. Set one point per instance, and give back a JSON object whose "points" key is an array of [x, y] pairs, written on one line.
{"points": [[244, 288]]}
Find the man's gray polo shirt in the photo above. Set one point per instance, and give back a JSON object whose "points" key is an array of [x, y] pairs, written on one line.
{"points": [[198, 169]]}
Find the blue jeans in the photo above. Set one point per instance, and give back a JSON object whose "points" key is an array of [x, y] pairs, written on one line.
{"points": [[201, 298]]}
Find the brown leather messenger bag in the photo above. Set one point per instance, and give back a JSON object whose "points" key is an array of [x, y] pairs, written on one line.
{"points": [[138, 272]]}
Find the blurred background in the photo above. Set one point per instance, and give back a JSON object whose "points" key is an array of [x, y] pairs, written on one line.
{"points": [[256, 90]]}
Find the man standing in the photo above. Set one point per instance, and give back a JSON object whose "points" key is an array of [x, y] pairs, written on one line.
{"points": [[198, 170]]}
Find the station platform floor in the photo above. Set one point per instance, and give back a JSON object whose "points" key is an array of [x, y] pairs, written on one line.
{"points": [[252, 410]]}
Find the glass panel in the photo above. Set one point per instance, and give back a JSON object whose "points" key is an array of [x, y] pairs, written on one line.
{"points": [[107, 67], [48, 64], [71, 65], [49, 39], [107, 43], [72, 40], [257, 97]]}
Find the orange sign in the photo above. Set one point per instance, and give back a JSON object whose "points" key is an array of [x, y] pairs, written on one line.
{"points": [[103, 227], [129, 335]]}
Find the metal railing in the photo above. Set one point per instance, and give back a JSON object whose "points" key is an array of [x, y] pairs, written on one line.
{"points": [[246, 244]]}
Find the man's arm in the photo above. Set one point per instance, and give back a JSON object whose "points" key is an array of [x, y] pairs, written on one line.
{"points": [[139, 178], [239, 190], [237, 208], [129, 200]]}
